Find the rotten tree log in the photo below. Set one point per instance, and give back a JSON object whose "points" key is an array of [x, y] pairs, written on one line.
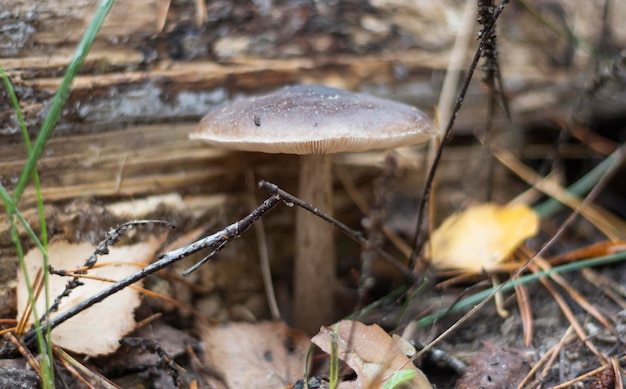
{"points": [[159, 65]]}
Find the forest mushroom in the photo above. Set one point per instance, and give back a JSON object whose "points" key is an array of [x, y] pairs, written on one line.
{"points": [[313, 121]]}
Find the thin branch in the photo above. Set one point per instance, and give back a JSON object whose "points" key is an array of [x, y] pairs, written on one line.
{"points": [[229, 233], [354, 235], [486, 33], [112, 237]]}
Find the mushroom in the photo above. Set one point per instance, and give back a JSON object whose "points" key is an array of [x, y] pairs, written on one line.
{"points": [[313, 121]]}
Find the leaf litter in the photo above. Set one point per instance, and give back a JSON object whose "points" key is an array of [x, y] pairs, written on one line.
{"points": [[372, 353], [268, 354], [495, 367], [490, 258], [112, 318]]}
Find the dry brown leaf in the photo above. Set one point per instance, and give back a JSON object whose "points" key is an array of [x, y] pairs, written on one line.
{"points": [[97, 330], [255, 355], [495, 367], [370, 352], [482, 236]]}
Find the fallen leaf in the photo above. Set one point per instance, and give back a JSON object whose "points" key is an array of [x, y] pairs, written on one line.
{"points": [[255, 355], [495, 367], [98, 329], [371, 353], [481, 237]]}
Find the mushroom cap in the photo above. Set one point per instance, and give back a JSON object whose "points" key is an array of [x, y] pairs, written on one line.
{"points": [[313, 119]]}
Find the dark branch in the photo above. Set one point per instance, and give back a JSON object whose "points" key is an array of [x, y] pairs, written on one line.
{"points": [[486, 34], [231, 232], [357, 236]]}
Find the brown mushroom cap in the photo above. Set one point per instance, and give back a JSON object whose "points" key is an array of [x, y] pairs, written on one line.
{"points": [[313, 119]]}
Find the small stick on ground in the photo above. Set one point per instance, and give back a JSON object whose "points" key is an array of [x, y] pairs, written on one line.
{"points": [[112, 237], [231, 232], [419, 240], [354, 235]]}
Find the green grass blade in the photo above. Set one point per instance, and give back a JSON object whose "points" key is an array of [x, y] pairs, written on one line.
{"points": [[30, 171], [469, 302], [29, 148], [61, 96], [398, 378], [40, 208], [581, 187], [334, 357], [10, 206], [47, 370]]}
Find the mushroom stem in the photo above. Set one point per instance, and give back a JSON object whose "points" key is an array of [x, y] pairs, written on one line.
{"points": [[314, 278]]}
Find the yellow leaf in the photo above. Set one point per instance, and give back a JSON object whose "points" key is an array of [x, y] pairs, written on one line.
{"points": [[482, 236]]}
